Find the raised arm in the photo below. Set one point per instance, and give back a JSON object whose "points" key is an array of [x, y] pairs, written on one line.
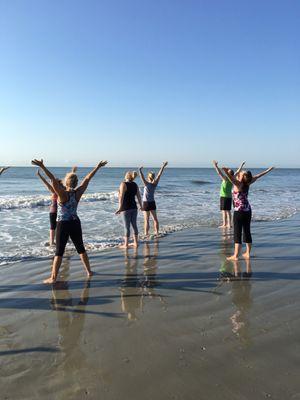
{"points": [[231, 178], [46, 183], [160, 173], [3, 169], [86, 180], [240, 168], [142, 175], [219, 172], [254, 179], [55, 183]]}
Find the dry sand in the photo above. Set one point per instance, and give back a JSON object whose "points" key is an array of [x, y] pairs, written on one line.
{"points": [[157, 323]]}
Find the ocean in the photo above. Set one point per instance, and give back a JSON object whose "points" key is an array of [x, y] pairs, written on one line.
{"points": [[186, 198]]}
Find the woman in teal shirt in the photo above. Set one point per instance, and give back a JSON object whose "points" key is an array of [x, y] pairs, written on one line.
{"points": [[226, 194]]}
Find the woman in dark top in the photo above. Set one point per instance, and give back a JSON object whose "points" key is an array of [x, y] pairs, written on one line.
{"points": [[128, 191]]}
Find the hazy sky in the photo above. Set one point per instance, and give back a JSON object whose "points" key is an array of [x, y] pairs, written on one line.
{"points": [[136, 81]]}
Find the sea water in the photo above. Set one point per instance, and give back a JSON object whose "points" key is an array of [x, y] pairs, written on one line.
{"points": [[186, 198]]}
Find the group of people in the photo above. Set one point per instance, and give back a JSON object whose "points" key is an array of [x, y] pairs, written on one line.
{"points": [[66, 194]]}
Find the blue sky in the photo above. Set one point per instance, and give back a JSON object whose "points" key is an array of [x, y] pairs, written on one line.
{"points": [[136, 81]]}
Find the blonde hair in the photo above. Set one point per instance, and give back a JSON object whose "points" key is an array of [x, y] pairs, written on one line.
{"points": [[130, 175], [71, 180], [151, 176]]}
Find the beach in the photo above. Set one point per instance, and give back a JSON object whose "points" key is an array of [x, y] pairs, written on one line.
{"points": [[162, 322]]}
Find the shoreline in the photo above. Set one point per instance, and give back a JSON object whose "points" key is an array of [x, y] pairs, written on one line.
{"points": [[71, 252]]}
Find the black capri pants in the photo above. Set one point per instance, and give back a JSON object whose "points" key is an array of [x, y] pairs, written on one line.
{"points": [[66, 229], [241, 223]]}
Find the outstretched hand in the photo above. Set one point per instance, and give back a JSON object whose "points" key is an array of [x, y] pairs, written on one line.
{"points": [[3, 169], [102, 163], [215, 163], [141, 168], [38, 163], [165, 163]]}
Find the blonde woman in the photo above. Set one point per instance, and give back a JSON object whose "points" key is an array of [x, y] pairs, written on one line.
{"points": [[149, 205], [128, 192], [68, 223]]}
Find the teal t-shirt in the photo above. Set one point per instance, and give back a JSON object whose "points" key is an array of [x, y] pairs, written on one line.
{"points": [[226, 189]]}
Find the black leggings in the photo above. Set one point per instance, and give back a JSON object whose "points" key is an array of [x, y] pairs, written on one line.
{"points": [[66, 229], [241, 223]]}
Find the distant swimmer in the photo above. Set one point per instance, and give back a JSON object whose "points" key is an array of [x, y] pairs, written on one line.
{"points": [[149, 205], [128, 192], [226, 194], [242, 209], [68, 223]]}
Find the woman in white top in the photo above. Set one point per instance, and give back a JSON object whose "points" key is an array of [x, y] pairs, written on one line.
{"points": [[149, 205]]}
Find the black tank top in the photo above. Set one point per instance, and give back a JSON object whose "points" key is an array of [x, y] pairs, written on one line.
{"points": [[129, 196]]}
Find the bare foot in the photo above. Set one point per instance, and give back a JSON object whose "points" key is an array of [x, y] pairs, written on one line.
{"points": [[123, 246], [222, 226], [90, 274], [232, 258], [246, 256], [49, 280]]}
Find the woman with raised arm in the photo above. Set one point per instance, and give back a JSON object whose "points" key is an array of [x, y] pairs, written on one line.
{"points": [[128, 191], [149, 205], [226, 194], [52, 209], [68, 223], [3, 169], [242, 209]]}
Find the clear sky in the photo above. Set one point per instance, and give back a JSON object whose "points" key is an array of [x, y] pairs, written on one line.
{"points": [[141, 81]]}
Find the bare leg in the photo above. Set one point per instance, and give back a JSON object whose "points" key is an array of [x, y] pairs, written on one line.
{"points": [[146, 222], [52, 237], [125, 245], [155, 221], [228, 219], [237, 249], [246, 255], [86, 263], [135, 241], [224, 219], [55, 268]]}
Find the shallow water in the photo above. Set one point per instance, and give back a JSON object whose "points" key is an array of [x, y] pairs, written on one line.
{"points": [[185, 198]]}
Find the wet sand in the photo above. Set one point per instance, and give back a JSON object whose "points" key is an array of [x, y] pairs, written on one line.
{"points": [[157, 323]]}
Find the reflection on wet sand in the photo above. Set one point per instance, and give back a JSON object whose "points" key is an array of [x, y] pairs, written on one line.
{"points": [[232, 273], [137, 287], [131, 290], [70, 316], [150, 273]]}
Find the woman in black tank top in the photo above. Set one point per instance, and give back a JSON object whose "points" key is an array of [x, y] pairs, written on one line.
{"points": [[128, 191]]}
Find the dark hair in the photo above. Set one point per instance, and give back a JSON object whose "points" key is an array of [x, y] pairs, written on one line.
{"points": [[231, 172], [246, 180]]}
